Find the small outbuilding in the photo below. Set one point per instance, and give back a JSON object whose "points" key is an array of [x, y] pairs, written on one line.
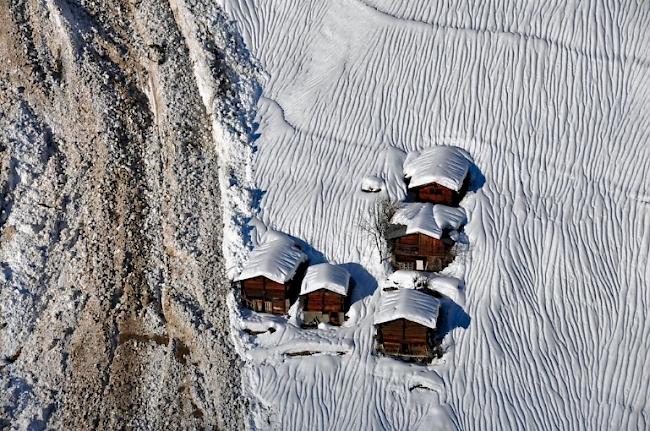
{"points": [[438, 175], [271, 278], [323, 294], [406, 322], [422, 235]]}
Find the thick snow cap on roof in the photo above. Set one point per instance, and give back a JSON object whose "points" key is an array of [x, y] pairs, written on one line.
{"points": [[443, 165], [276, 258], [414, 279], [408, 304], [326, 276], [428, 219]]}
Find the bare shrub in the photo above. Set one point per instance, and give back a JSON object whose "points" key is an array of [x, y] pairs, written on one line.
{"points": [[376, 222]]}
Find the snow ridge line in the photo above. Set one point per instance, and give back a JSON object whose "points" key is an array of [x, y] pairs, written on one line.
{"points": [[594, 54]]}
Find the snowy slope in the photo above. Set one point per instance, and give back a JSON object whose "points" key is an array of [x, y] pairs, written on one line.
{"points": [[550, 100]]}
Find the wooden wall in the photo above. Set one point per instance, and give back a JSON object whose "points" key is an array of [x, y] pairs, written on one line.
{"points": [[325, 301], [405, 338], [264, 295], [439, 194], [436, 194], [418, 244]]}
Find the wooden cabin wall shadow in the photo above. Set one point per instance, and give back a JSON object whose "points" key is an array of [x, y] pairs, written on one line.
{"points": [[451, 316], [476, 178], [362, 284]]}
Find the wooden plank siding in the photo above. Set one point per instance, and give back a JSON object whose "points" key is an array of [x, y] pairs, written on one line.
{"points": [[402, 337], [325, 301], [438, 194], [323, 306], [267, 296], [435, 253]]}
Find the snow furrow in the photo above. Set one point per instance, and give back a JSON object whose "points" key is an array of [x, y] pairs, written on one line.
{"points": [[551, 101]]}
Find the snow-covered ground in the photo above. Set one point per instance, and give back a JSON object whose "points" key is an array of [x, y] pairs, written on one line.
{"points": [[550, 100]]}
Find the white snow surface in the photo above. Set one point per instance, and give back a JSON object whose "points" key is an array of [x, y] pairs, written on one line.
{"points": [[550, 100], [408, 304], [429, 219], [444, 165], [325, 276], [276, 258], [371, 183]]}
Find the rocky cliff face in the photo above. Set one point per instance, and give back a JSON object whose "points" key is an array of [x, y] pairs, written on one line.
{"points": [[112, 300]]}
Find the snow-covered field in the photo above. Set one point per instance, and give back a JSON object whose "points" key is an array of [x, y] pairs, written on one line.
{"points": [[551, 101]]}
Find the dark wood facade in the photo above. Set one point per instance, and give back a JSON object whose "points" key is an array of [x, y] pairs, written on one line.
{"points": [[267, 296], [405, 339], [422, 253], [438, 194], [323, 305]]}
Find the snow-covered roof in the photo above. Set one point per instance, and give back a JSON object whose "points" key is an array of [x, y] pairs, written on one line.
{"points": [[408, 304], [428, 219], [415, 279], [326, 276], [444, 284], [276, 258], [444, 165]]}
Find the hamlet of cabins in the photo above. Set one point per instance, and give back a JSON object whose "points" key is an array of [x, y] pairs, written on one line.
{"points": [[422, 234]]}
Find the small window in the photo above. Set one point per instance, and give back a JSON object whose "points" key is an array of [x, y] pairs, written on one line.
{"points": [[407, 266], [419, 265]]}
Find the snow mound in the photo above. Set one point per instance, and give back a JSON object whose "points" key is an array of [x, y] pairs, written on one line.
{"points": [[372, 184], [415, 279], [443, 284], [408, 304], [326, 276], [428, 219], [445, 165], [276, 258]]}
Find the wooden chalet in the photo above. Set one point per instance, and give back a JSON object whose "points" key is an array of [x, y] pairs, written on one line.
{"points": [[421, 236], [406, 323], [271, 279], [421, 252], [323, 294], [438, 175]]}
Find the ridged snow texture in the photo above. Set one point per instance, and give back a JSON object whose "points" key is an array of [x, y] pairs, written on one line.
{"points": [[551, 100]]}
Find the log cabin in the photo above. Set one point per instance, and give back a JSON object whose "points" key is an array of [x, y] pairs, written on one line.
{"points": [[323, 294], [422, 235], [438, 175], [406, 323], [421, 252], [271, 279]]}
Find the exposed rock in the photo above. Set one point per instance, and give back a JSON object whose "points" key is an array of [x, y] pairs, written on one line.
{"points": [[112, 282]]}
